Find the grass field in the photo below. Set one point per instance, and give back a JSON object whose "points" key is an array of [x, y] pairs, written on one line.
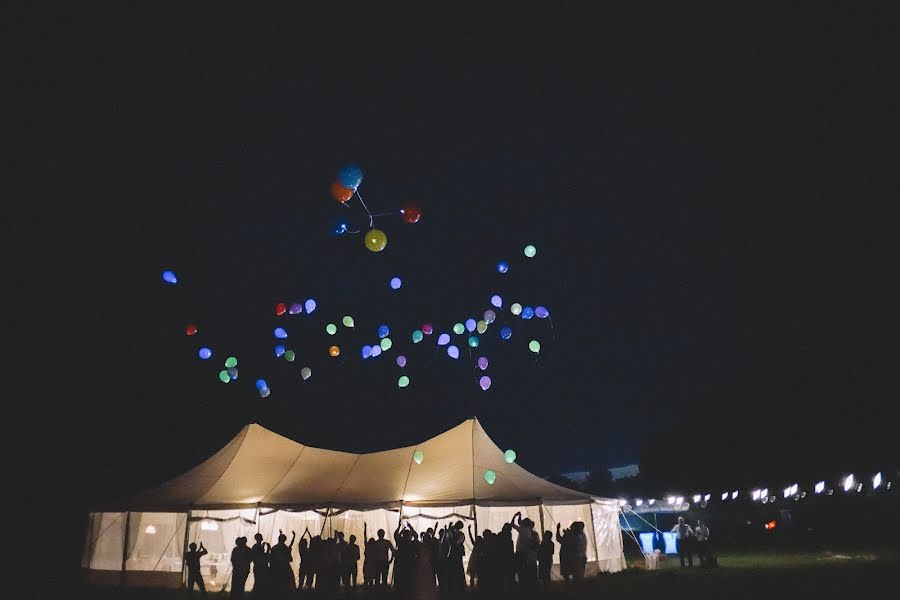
{"points": [[853, 575]]}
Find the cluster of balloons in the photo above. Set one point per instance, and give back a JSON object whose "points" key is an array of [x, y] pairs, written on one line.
{"points": [[345, 186], [230, 372]]}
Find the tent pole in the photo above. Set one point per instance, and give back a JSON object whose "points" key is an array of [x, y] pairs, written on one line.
{"points": [[475, 517], [594, 532], [187, 538], [541, 512], [125, 545]]}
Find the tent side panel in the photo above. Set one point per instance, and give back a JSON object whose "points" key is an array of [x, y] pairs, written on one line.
{"points": [[104, 542], [608, 537]]}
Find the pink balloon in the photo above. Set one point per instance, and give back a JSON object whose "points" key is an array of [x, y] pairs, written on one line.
{"points": [[482, 362]]}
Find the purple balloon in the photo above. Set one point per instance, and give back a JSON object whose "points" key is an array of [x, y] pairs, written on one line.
{"points": [[496, 301], [443, 339], [310, 306], [484, 382], [453, 351], [482, 362], [296, 308], [541, 313], [401, 361], [376, 351]]}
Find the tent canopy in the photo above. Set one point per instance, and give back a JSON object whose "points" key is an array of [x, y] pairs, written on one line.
{"points": [[259, 468]]}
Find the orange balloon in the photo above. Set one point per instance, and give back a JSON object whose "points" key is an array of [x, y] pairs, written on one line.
{"points": [[334, 351], [340, 193]]}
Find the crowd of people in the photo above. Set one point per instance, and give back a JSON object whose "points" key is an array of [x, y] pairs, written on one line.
{"points": [[424, 565]]}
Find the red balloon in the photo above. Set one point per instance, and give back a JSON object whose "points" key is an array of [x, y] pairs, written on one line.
{"points": [[340, 193], [411, 213], [191, 329], [280, 308], [427, 329]]}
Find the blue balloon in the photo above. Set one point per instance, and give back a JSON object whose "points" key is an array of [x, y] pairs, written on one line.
{"points": [[376, 351], [443, 339], [261, 384], [232, 372], [310, 306], [280, 333], [471, 325], [350, 176], [496, 301], [396, 283], [527, 312], [366, 351], [506, 333], [383, 331], [204, 353], [502, 267], [279, 351], [453, 351], [169, 277], [264, 393]]}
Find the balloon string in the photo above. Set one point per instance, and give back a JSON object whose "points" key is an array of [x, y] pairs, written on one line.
{"points": [[368, 212], [396, 211]]}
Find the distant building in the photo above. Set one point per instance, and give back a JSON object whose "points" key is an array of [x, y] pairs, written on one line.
{"points": [[617, 473]]}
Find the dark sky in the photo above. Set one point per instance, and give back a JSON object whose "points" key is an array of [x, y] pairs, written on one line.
{"points": [[710, 190]]}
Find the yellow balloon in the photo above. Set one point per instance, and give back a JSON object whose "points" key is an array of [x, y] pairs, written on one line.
{"points": [[376, 240], [481, 326]]}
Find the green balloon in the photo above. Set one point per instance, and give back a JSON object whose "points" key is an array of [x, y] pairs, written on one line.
{"points": [[289, 355], [510, 456], [490, 477], [347, 321], [418, 456], [417, 336], [403, 381], [331, 328], [530, 251], [534, 346], [386, 343], [459, 328], [473, 341], [224, 377], [230, 362], [516, 308]]}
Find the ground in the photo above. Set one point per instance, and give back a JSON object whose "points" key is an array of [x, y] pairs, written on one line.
{"points": [[760, 575]]}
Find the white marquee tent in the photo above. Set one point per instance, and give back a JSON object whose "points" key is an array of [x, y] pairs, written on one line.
{"points": [[263, 482]]}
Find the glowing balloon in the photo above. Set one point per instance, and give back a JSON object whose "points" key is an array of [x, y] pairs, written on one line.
{"points": [[279, 351], [473, 341], [280, 308], [340, 193], [489, 316], [427, 329], [527, 312], [403, 381], [490, 477], [418, 456], [169, 277], [530, 251], [347, 321], [383, 331], [401, 361], [482, 362], [516, 309], [496, 301], [233, 373], [261, 384], [264, 393], [204, 353], [230, 362], [310, 306], [484, 382], [541, 313], [366, 351], [410, 213], [305, 373], [350, 176], [334, 351], [534, 346], [453, 352], [386, 343], [331, 329], [443, 339], [290, 355], [224, 377], [506, 333], [481, 327], [376, 240], [295, 309], [459, 328], [396, 283], [470, 325], [417, 336], [376, 351], [280, 333], [502, 267], [190, 329], [509, 456]]}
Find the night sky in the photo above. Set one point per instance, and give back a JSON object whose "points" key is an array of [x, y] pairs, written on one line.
{"points": [[710, 191]]}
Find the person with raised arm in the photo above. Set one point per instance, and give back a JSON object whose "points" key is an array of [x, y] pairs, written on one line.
{"points": [[192, 562]]}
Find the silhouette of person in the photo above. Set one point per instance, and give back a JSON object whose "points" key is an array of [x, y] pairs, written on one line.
{"points": [[305, 573], [281, 576], [683, 539], [456, 577], [524, 528], [349, 563], [260, 559], [380, 548], [192, 561], [241, 557], [545, 557]]}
